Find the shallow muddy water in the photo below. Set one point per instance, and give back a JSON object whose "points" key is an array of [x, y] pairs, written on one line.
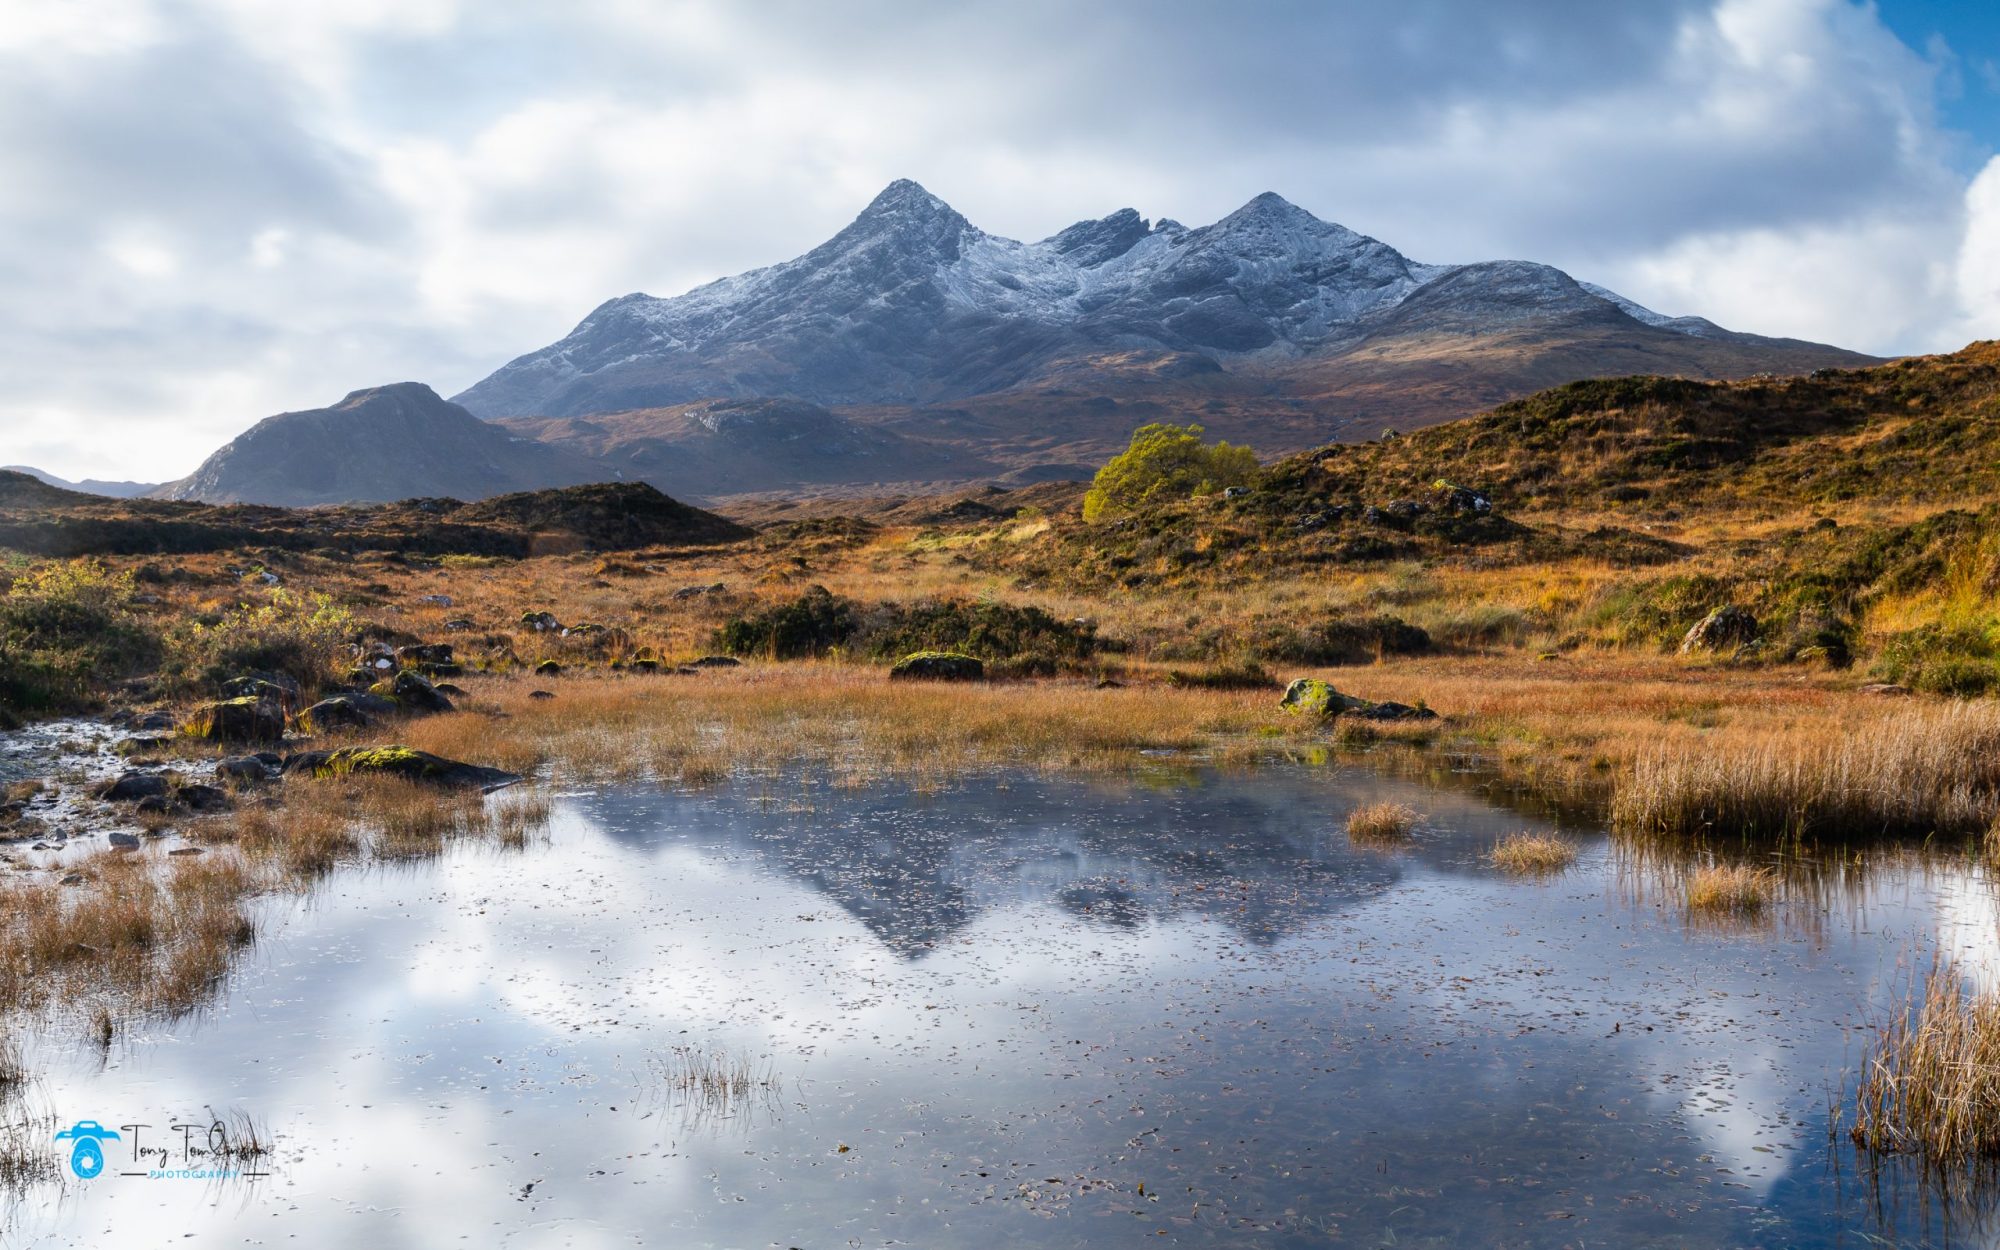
{"points": [[1177, 1011]]}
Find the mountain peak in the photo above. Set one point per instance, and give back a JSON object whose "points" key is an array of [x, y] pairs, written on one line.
{"points": [[1270, 206], [904, 197]]}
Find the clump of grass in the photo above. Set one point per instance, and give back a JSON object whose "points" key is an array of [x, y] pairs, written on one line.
{"points": [[1381, 824], [13, 1070], [516, 817], [1729, 889], [1931, 1082], [1533, 854], [27, 1155], [712, 1083]]}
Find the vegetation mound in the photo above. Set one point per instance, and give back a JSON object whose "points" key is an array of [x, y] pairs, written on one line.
{"points": [[610, 516]]}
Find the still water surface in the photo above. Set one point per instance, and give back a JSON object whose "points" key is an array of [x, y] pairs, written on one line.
{"points": [[1182, 1010]]}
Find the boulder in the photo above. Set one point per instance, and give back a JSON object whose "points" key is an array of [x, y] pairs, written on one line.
{"points": [[541, 622], [1309, 696], [247, 719], [201, 798], [548, 668], [937, 666], [346, 711], [131, 787], [274, 686], [124, 841], [717, 661], [1726, 628], [244, 770], [397, 761], [541, 694], [412, 692], [425, 653]]}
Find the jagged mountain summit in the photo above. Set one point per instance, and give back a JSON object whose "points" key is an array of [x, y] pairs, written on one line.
{"points": [[912, 304], [378, 445]]}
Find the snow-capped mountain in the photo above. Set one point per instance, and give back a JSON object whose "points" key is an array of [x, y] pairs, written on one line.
{"points": [[913, 304]]}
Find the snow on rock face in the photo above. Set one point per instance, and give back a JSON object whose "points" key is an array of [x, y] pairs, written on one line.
{"points": [[912, 302]]}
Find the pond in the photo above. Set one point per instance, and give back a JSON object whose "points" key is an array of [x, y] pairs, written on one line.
{"points": [[1176, 1010]]}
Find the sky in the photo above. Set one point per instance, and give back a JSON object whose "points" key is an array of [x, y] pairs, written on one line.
{"points": [[214, 210]]}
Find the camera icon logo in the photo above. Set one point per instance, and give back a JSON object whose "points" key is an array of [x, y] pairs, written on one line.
{"points": [[86, 1159]]}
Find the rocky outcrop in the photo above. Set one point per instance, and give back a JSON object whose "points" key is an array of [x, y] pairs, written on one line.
{"points": [[1725, 629]]}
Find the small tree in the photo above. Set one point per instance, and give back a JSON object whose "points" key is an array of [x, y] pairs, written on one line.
{"points": [[1166, 462]]}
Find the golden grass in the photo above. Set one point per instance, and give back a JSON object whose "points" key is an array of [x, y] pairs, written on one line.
{"points": [[1729, 889], [1914, 771], [850, 720], [1930, 1084], [1378, 824], [1532, 854]]}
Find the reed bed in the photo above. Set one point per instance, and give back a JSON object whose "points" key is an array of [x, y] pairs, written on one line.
{"points": [[1927, 769], [1381, 824], [712, 1079], [1533, 854], [1930, 1084]]}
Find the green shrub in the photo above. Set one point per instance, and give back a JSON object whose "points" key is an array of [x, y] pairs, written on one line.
{"points": [[991, 631], [65, 628], [301, 637], [1961, 660], [813, 624], [1166, 462]]}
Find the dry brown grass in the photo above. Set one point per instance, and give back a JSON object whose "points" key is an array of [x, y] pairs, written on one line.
{"points": [[847, 719], [1533, 854], [1930, 1084], [1912, 771], [1729, 889], [1381, 824]]}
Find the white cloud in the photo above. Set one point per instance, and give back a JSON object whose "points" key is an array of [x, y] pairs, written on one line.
{"points": [[217, 209]]}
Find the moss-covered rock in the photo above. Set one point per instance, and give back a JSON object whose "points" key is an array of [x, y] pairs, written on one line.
{"points": [[398, 761], [937, 666]]}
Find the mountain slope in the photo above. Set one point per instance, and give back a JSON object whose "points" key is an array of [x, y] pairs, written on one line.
{"points": [[911, 304], [747, 446], [377, 445]]}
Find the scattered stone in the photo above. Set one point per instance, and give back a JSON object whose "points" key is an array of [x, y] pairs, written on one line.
{"points": [[247, 719], [548, 668], [1884, 689], [435, 601], [1393, 711], [1726, 627], [153, 722], [541, 622], [185, 850], [541, 694], [398, 761], [937, 666], [426, 653], [121, 842], [458, 626]]}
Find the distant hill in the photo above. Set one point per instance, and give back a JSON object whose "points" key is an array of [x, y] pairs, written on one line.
{"points": [[1279, 329], [45, 520], [88, 486], [376, 445]]}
